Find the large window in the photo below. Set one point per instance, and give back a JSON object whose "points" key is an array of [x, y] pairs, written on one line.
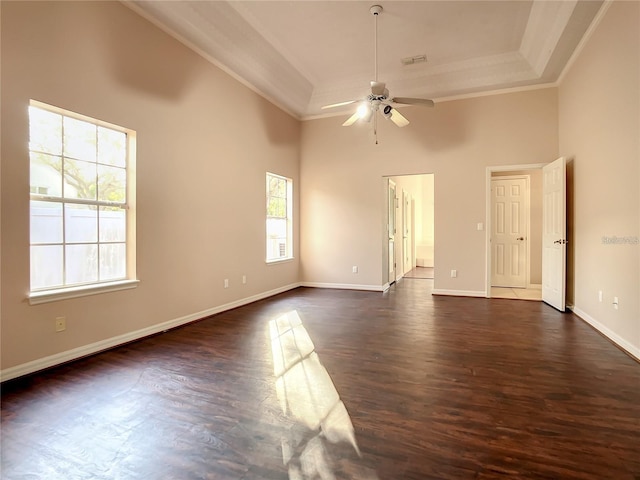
{"points": [[81, 190], [279, 215]]}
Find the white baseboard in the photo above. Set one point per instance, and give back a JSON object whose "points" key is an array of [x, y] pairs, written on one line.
{"points": [[346, 286], [611, 335], [535, 286], [83, 351], [459, 293]]}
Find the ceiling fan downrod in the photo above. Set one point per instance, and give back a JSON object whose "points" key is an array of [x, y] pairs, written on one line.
{"points": [[375, 11]]}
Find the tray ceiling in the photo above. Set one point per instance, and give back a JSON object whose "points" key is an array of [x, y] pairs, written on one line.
{"points": [[305, 54]]}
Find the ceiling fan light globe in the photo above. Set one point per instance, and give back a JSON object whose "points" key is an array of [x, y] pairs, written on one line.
{"points": [[363, 111]]}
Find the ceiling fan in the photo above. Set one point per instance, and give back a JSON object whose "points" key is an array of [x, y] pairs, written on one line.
{"points": [[379, 99]]}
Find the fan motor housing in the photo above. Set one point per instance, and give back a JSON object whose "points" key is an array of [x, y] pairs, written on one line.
{"points": [[373, 97]]}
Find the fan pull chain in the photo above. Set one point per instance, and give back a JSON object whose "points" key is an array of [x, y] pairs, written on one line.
{"points": [[375, 128]]}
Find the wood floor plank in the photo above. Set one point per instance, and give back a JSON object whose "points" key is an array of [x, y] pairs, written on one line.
{"points": [[319, 383]]}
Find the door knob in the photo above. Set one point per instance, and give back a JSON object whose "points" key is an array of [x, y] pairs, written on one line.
{"points": [[520, 238]]}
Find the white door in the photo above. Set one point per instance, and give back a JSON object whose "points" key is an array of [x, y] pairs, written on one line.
{"points": [[406, 230], [554, 231], [412, 241], [509, 202], [391, 228]]}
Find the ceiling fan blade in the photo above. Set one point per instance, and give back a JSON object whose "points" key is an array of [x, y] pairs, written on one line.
{"points": [[340, 104], [351, 120], [377, 88], [413, 101], [397, 118]]}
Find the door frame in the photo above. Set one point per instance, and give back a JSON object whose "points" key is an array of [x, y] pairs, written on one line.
{"points": [[413, 232], [488, 215], [384, 191]]}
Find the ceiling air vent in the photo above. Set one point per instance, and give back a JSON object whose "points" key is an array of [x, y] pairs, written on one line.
{"points": [[412, 60]]}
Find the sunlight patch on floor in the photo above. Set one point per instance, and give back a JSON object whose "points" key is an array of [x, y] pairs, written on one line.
{"points": [[309, 398]]}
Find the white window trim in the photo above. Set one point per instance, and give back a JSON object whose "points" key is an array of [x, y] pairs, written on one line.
{"points": [[290, 257], [54, 294], [46, 296], [280, 260]]}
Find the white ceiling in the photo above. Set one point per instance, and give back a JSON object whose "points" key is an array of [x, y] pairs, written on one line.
{"points": [[305, 54]]}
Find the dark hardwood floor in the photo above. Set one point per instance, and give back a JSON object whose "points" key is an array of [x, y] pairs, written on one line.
{"points": [[420, 272], [323, 384]]}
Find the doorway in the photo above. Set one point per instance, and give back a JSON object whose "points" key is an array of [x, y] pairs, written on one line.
{"points": [[408, 246], [514, 232]]}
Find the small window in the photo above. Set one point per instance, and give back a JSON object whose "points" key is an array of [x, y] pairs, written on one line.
{"points": [[81, 229], [279, 218]]}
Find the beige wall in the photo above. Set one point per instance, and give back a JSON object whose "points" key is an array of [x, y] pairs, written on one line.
{"points": [[599, 111], [455, 141], [204, 144]]}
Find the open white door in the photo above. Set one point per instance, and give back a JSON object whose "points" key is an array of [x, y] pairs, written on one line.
{"points": [[554, 230], [406, 231], [391, 228]]}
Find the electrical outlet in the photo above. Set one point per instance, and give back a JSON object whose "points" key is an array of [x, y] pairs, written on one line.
{"points": [[226, 283], [61, 324], [244, 279], [354, 269], [454, 273]]}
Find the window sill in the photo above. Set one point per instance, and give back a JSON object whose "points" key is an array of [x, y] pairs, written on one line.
{"points": [[36, 298], [279, 260]]}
